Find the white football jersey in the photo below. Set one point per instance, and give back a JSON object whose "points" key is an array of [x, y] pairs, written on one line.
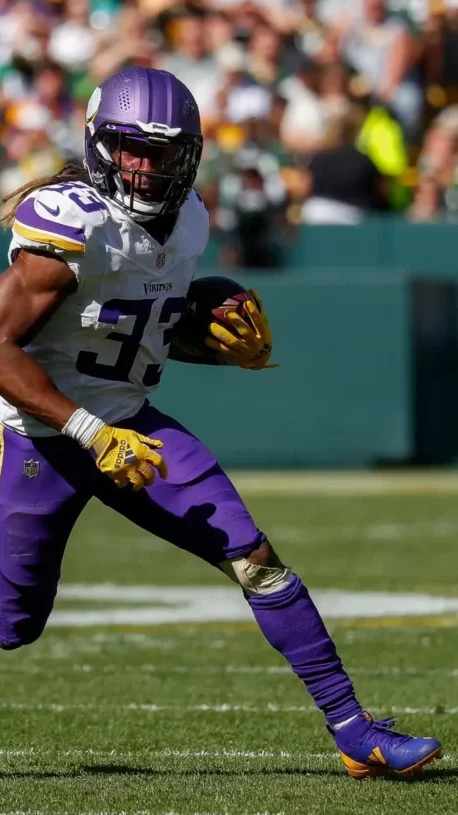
{"points": [[107, 344]]}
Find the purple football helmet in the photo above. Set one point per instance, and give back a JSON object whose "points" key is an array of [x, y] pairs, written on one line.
{"points": [[146, 114]]}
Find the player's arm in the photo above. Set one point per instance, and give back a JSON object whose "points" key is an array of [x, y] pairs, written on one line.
{"points": [[31, 291]]}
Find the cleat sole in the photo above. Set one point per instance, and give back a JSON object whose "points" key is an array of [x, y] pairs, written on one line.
{"points": [[360, 772]]}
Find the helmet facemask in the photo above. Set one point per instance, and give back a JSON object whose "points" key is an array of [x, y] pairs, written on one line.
{"points": [[118, 155]]}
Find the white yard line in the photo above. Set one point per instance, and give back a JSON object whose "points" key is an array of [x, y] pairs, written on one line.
{"points": [[215, 670], [178, 604], [169, 753], [345, 483], [309, 534], [272, 708], [151, 707], [125, 812]]}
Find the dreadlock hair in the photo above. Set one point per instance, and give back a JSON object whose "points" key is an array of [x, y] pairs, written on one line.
{"points": [[70, 172]]}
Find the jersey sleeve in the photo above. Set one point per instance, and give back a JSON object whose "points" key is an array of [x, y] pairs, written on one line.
{"points": [[51, 222]]}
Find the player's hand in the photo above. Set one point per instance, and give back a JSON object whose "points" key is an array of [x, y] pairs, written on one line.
{"points": [[247, 339], [127, 457]]}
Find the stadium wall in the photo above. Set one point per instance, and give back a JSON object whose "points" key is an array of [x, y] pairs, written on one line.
{"points": [[353, 314]]}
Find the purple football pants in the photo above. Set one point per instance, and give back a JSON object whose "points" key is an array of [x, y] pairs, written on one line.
{"points": [[45, 484]]}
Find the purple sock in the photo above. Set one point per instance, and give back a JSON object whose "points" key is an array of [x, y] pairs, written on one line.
{"points": [[292, 624]]}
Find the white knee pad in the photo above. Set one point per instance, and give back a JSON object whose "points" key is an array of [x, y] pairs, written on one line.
{"points": [[256, 579]]}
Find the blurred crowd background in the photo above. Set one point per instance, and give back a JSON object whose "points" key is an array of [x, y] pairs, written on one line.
{"points": [[314, 111]]}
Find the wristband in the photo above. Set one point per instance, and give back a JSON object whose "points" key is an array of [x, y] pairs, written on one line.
{"points": [[83, 427]]}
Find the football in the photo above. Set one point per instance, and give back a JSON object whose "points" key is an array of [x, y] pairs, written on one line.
{"points": [[209, 299]]}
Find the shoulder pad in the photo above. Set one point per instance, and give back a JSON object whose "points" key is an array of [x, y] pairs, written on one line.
{"points": [[57, 217]]}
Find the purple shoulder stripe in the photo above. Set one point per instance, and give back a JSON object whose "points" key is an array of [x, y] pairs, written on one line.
{"points": [[27, 215]]}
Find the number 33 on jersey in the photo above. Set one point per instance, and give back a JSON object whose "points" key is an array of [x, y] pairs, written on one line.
{"points": [[115, 329]]}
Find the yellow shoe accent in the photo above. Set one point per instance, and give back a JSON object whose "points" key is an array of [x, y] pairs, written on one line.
{"points": [[376, 756], [357, 770], [380, 767]]}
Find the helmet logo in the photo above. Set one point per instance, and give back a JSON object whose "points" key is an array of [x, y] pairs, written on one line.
{"points": [[160, 260], [93, 105]]}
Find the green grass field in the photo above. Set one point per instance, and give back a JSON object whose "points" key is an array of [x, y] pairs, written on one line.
{"points": [[116, 712]]}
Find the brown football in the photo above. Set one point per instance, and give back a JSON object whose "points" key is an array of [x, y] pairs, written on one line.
{"points": [[209, 299]]}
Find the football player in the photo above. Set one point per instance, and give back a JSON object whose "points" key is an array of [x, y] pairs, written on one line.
{"points": [[101, 261]]}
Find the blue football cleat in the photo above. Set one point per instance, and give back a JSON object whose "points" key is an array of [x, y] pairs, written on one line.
{"points": [[369, 748]]}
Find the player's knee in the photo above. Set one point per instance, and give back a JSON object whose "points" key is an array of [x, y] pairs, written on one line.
{"points": [[25, 632], [261, 572], [265, 555]]}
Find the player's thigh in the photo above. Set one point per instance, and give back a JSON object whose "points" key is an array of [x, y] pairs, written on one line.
{"points": [[41, 495], [197, 507]]}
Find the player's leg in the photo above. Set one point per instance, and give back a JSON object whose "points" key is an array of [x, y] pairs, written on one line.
{"points": [[292, 624], [207, 517], [198, 509], [42, 491]]}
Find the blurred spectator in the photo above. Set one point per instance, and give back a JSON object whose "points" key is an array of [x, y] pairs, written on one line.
{"points": [[240, 97], [343, 186], [252, 198], [29, 32], [334, 94], [382, 139], [265, 55], [441, 38], [437, 190], [310, 30], [303, 127], [383, 49], [192, 62], [73, 41], [53, 98], [28, 154], [8, 27], [303, 21], [219, 30], [127, 43], [52, 92]]}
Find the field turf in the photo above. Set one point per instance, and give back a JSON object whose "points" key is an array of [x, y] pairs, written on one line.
{"points": [[202, 717]]}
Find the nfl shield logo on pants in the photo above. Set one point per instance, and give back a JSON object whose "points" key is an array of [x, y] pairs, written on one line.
{"points": [[31, 468]]}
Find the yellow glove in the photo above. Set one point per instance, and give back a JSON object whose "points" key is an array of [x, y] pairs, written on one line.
{"points": [[127, 457], [248, 341]]}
